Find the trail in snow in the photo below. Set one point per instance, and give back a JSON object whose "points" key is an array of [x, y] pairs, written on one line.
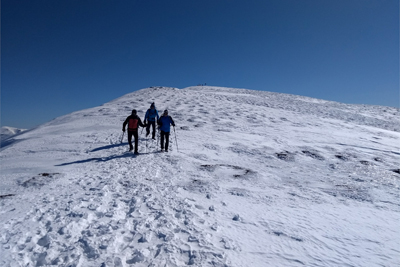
{"points": [[260, 179]]}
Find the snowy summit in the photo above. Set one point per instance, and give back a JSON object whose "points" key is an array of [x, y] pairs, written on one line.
{"points": [[6, 132], [251, 178]]}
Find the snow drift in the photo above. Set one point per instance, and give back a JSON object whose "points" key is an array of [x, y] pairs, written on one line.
{"points": [[254, 179]]}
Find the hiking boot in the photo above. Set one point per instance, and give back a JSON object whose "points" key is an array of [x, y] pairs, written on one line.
{"points": [[136, 153]]}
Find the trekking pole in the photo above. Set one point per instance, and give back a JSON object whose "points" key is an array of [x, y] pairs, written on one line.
{"points": [[122, 137], [176, 141]]}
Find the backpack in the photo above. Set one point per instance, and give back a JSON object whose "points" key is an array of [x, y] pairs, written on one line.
{"points": [[133, 124], [151, 114]]}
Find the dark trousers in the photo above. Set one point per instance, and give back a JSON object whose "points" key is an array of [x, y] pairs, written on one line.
{"points": [[135, 134], [166, 135], [151, 123]]}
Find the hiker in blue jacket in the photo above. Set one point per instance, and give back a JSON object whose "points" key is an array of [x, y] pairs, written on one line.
{"points": [[133, 122], [165, 122], [150, 117]]}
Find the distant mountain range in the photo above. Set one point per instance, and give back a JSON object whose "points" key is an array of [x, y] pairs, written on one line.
{"points": [[7, 132]]}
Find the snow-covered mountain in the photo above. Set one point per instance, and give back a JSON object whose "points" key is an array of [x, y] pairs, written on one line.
{"points": [[7, 131], [252, 179]]}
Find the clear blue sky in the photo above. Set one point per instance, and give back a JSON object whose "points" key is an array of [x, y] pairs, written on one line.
{"points": [[66, 55]]}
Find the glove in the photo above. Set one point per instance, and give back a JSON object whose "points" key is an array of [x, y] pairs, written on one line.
{"points": [[123, 130], [173, 124]]}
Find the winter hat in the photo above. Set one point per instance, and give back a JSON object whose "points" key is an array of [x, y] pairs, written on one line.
{"points": [[133, 111], [166, 112], [152, 105]]}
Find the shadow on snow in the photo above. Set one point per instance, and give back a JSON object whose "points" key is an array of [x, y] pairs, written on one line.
{"points": [[103, 159], [9, 141], [107, 147]]}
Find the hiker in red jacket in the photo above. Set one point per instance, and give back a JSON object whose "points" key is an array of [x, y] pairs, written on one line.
{"points": [[133, 122]]}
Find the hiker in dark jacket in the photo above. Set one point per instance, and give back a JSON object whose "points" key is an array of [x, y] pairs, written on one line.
{"points": [[150, 118], [133, 122], [165, 122]]}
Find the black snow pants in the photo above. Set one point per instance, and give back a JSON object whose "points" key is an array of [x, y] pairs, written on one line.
{"points": [[166, 135], [135, 135], [153, 124]]}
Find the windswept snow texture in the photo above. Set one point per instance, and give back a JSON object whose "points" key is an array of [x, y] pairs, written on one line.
{"points": [[256, 179]]}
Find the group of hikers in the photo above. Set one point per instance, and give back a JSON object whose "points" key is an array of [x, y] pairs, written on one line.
{"points": [[164, 124]]}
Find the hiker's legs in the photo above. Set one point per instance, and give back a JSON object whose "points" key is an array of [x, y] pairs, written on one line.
{"points": [[136, 135], [162, 139], [148, 128], [153, 124], [166, 141], [130, 133]]}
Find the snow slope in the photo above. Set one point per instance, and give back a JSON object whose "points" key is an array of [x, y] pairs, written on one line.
{"points": [[256, 179]]}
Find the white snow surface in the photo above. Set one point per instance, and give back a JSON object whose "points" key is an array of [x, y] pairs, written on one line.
{"points": [[255, 179]]}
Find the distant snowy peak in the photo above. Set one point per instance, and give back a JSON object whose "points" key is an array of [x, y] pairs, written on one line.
{"points": [[7, 132]]}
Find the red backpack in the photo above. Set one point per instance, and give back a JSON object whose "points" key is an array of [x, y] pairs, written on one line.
{"points": [[133, 124]]}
